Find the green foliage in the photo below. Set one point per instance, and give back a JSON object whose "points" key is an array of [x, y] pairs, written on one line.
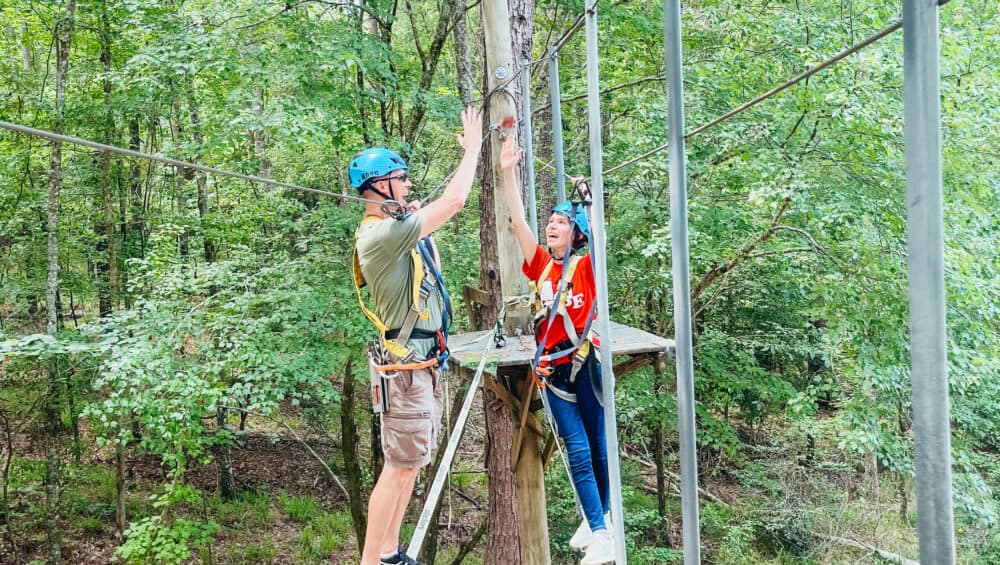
{"points": [[151, 541], [787, 532], [263, 552], [797, 229], [165, 539], [300, 509], [990, 552]]}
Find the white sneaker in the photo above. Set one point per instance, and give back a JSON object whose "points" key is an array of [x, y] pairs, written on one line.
{"points": [[601, 549], [581, 539]]}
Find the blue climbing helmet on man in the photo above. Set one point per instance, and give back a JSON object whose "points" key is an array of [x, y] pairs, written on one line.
{"points": [[577, 214], [373, 163]]}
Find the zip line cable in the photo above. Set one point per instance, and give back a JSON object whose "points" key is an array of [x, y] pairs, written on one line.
{"points": [[25, 130], [388, 206], [175, 162], [728, 115], [791, 82], [784, 86]]}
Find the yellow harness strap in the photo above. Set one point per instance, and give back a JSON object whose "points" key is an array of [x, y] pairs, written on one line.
{"points": [[418, 300]]}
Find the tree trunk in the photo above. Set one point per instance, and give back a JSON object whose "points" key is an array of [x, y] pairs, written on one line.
{"points": [[107, 249], [26, 58], [521, 31], [903, 502], [352, 461], [361, 19], [257, 134], [428, 62], [503, 535], [224, 456], [545, 178], [7, 449], [74, 416], [499, 58], [500, 276], [663, 532], [63, 37], [531, 507], [902, 428], [121, 519], [200, 179], [137, 225], [463, 65], [180, 174]]}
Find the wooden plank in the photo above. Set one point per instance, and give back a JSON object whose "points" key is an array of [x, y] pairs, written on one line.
{"points": [[475, 295], [548, 450], [633, 364]]}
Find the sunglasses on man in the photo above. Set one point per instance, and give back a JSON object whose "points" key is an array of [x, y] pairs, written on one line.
{"points": [[400, 177]]}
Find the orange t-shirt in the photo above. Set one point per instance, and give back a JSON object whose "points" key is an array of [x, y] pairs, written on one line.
{"points": [[579, 295]]}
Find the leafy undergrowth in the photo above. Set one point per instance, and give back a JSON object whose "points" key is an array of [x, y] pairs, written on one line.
{"points": [[776, 507], [286, 513]]}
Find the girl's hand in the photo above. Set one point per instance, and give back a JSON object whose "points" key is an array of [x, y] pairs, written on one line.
{"points": [[510, 155]]}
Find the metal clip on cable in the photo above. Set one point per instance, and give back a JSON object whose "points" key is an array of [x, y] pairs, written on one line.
{"points": [[394, 210], [499, 339]]}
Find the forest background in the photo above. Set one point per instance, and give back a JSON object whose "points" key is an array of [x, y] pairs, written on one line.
{"points": [[182, 375]]}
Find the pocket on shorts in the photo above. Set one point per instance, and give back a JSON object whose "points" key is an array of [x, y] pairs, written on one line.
{"points": [[410, 393], [406, 438]]}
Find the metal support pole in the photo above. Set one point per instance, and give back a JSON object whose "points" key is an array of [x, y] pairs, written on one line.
{"points": [[599, 255], [682, 283], [423, 523], [925, 261], [557, 125], [529, 147]]}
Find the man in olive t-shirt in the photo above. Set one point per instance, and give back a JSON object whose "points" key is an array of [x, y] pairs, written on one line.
{"points": [[384, 246], [384, 253]]}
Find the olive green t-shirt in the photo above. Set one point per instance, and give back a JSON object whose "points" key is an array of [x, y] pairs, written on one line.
{"points": [[384, 254]]}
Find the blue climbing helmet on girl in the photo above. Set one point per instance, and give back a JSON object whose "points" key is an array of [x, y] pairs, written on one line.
{"points": [[373, 163], [577, 214]]}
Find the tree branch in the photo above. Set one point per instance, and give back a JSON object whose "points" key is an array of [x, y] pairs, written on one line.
{"points": [[610, 89], [881, 553]]}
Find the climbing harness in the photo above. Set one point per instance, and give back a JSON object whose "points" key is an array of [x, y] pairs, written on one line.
{"points": [[545, 312], [389, 354], [543, 362]]}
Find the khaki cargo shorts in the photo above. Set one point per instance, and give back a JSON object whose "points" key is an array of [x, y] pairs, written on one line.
{"points": [[411, 427]]}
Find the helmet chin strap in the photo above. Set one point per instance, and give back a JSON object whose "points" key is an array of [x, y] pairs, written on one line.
{"points": [[390, 206]]}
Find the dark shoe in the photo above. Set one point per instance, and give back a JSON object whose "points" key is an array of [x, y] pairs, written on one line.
{"points": [[400, 558]]}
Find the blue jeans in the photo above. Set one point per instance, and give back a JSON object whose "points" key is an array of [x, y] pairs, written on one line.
{"points": [[581, 425]]}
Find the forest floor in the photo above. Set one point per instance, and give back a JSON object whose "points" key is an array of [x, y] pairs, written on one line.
{"points": [[289, 511]]}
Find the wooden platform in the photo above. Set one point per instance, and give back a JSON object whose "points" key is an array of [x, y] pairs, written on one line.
{"points": [[467, 348]]}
